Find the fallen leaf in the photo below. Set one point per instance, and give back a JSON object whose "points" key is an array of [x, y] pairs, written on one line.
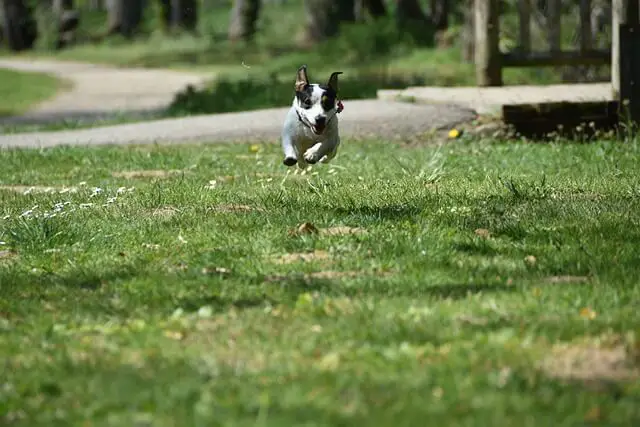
{"points": [[175, 335], [304, 228], [482, 232], [587, 313], [594, 414]]}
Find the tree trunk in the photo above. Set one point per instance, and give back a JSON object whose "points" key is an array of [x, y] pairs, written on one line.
{"points": [[19, 28], [244, 17], [179, 14], [440, 14], [375, 7], [412, 20], [125, 16], [68, 20], [468, 33], [324, 18]]}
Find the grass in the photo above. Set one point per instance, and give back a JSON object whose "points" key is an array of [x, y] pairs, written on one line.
{"points": [[475, 283], [20, 91]]}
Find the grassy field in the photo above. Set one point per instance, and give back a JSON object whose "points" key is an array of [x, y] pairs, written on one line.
{"points": [[20, 91], [470, 284]]}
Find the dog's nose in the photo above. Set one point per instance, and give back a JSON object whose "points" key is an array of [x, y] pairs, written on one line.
{"points": [[321, 120]]}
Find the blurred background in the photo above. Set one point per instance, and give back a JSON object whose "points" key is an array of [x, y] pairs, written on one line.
{"points": [[251, 48]]}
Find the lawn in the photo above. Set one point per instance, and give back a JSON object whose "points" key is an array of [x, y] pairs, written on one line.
{"points": [[470, 284], [20, 91]]}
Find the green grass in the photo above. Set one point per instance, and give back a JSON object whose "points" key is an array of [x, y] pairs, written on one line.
{"points": [[19, 91], [159, 300]]}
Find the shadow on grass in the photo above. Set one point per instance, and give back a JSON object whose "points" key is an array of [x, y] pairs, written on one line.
{"points": [[395, 212]]}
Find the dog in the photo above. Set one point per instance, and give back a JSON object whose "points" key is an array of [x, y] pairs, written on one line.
{"points": [[310, 133]]}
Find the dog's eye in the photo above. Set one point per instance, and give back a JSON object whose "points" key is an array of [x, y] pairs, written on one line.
{"points": [[306, 103]]}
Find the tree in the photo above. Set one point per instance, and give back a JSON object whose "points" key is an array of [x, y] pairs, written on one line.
{"points": [[244, 17], [68, 20], [375, 7], [440, 14], [412, 20], [179, 14], [124, 16], [323, 18], [19, 28]]}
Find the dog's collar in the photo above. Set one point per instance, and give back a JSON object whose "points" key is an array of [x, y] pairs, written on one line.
{"points": [[339, 109]]}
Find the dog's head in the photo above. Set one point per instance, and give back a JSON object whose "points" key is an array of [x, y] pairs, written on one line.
{"points": [[316, 103]]}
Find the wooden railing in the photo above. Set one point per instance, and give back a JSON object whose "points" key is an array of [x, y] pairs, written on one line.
{"points": [[490, 61]]}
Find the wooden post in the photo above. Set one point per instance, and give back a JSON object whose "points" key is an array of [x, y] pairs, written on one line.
{"points": [[487, 37], [629, 56], [585, 25], [618, 17], [524, 21], [554, 23]]}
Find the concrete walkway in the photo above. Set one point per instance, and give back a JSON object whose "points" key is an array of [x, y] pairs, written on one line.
{"points": [[100, 90], [489, 100]]}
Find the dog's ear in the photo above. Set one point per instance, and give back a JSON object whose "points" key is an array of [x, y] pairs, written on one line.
{"points": [[301, 79], [333, 81]]}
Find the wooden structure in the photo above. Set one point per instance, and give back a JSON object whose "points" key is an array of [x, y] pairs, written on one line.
{"points": [[624, 55], [490, 61]]}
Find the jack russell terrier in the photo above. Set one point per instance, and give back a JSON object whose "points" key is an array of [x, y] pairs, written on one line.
{"points": [[310, 132]]}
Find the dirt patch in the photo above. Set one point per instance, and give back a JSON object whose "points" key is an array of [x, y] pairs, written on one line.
{"points": [[567, 279], [302, 257], [330, 275], [234, 208], [151, 173], [590, 362], [165, 212], [309, 228], [7, 255], [483, 233]]}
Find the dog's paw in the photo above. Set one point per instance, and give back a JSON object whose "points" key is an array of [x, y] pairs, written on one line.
{"points": [[311, 157], [290, 161]]}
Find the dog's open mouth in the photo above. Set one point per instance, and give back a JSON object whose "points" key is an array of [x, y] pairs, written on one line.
{"points": [[317, 129]]}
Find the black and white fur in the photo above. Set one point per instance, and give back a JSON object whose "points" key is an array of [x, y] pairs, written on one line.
{"points": [[310, 132]]}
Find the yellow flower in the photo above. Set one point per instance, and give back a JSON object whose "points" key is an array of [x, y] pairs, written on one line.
{"points": [[587, 313], [454, 133], [254, 148]]}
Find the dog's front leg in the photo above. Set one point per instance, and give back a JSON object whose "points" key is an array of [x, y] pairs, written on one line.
{"points": [[290, 153], [324, 151]]}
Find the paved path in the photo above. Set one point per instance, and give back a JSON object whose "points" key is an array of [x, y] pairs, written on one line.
{"points": [[100, 89], [361, 118]]}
